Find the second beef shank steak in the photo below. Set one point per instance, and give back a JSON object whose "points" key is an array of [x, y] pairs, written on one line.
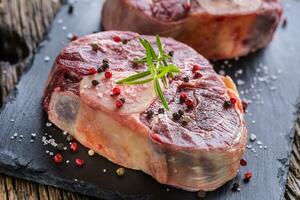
{"points": [[200, 150], [218, 29]]}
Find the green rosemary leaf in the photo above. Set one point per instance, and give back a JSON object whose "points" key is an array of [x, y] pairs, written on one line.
{"points": [[160, 48], [149, 59], [144, 60], [174, 69], [159, 45], [134, 77], [170, 68], [163, 72], [140, 61], [158, 68], [160, 94], [142, 41], [152, 51], [139, 82], [164, 81]]}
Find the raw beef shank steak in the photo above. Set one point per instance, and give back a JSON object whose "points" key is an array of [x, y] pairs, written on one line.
{"points": [[199, 149], [218, 29]]}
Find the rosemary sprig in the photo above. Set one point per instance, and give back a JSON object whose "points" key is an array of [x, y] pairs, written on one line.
{"points": [[158, 68]]}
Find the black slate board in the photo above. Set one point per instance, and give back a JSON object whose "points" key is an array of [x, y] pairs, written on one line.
{"points": [[270, 78]]}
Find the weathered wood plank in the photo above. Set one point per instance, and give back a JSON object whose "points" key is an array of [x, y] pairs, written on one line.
{"points": [[3, 192], [43, 192], [54, 193], [22, 26], [293, 182], [17, 189], [10, 190]]}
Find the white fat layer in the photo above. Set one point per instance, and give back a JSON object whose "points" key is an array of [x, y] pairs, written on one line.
{"points": [[137, 97]]}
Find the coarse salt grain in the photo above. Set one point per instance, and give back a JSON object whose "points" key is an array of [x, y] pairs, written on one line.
{"points": [[33, 135], [240, 82], [222, 72], [100, 95], [50, 141], [70, 36], [252, 137], [47, 58]]}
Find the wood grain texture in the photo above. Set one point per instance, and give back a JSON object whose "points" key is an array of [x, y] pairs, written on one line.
{"points": [[293, 182], [17, 189], [23, 24]]}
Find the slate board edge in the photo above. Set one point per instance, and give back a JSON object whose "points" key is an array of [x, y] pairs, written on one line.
{"points": [[24, 171]]}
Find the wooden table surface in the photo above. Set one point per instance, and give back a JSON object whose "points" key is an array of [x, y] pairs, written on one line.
{"points": [[15, 189]]}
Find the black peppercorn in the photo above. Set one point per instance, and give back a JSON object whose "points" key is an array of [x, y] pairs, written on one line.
{"points": [[95, 82], [70, 9], [186, 79], [235, 187], [105, 61], [176, 116], [124, 41], [171, 53], [60, 147], [122, 99], [149, 114], [284, 22], [95, 47], [180, 112], [99, 70], [184, 123], [105, 66], [245, 105], [161, 110], [227, 104]]}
